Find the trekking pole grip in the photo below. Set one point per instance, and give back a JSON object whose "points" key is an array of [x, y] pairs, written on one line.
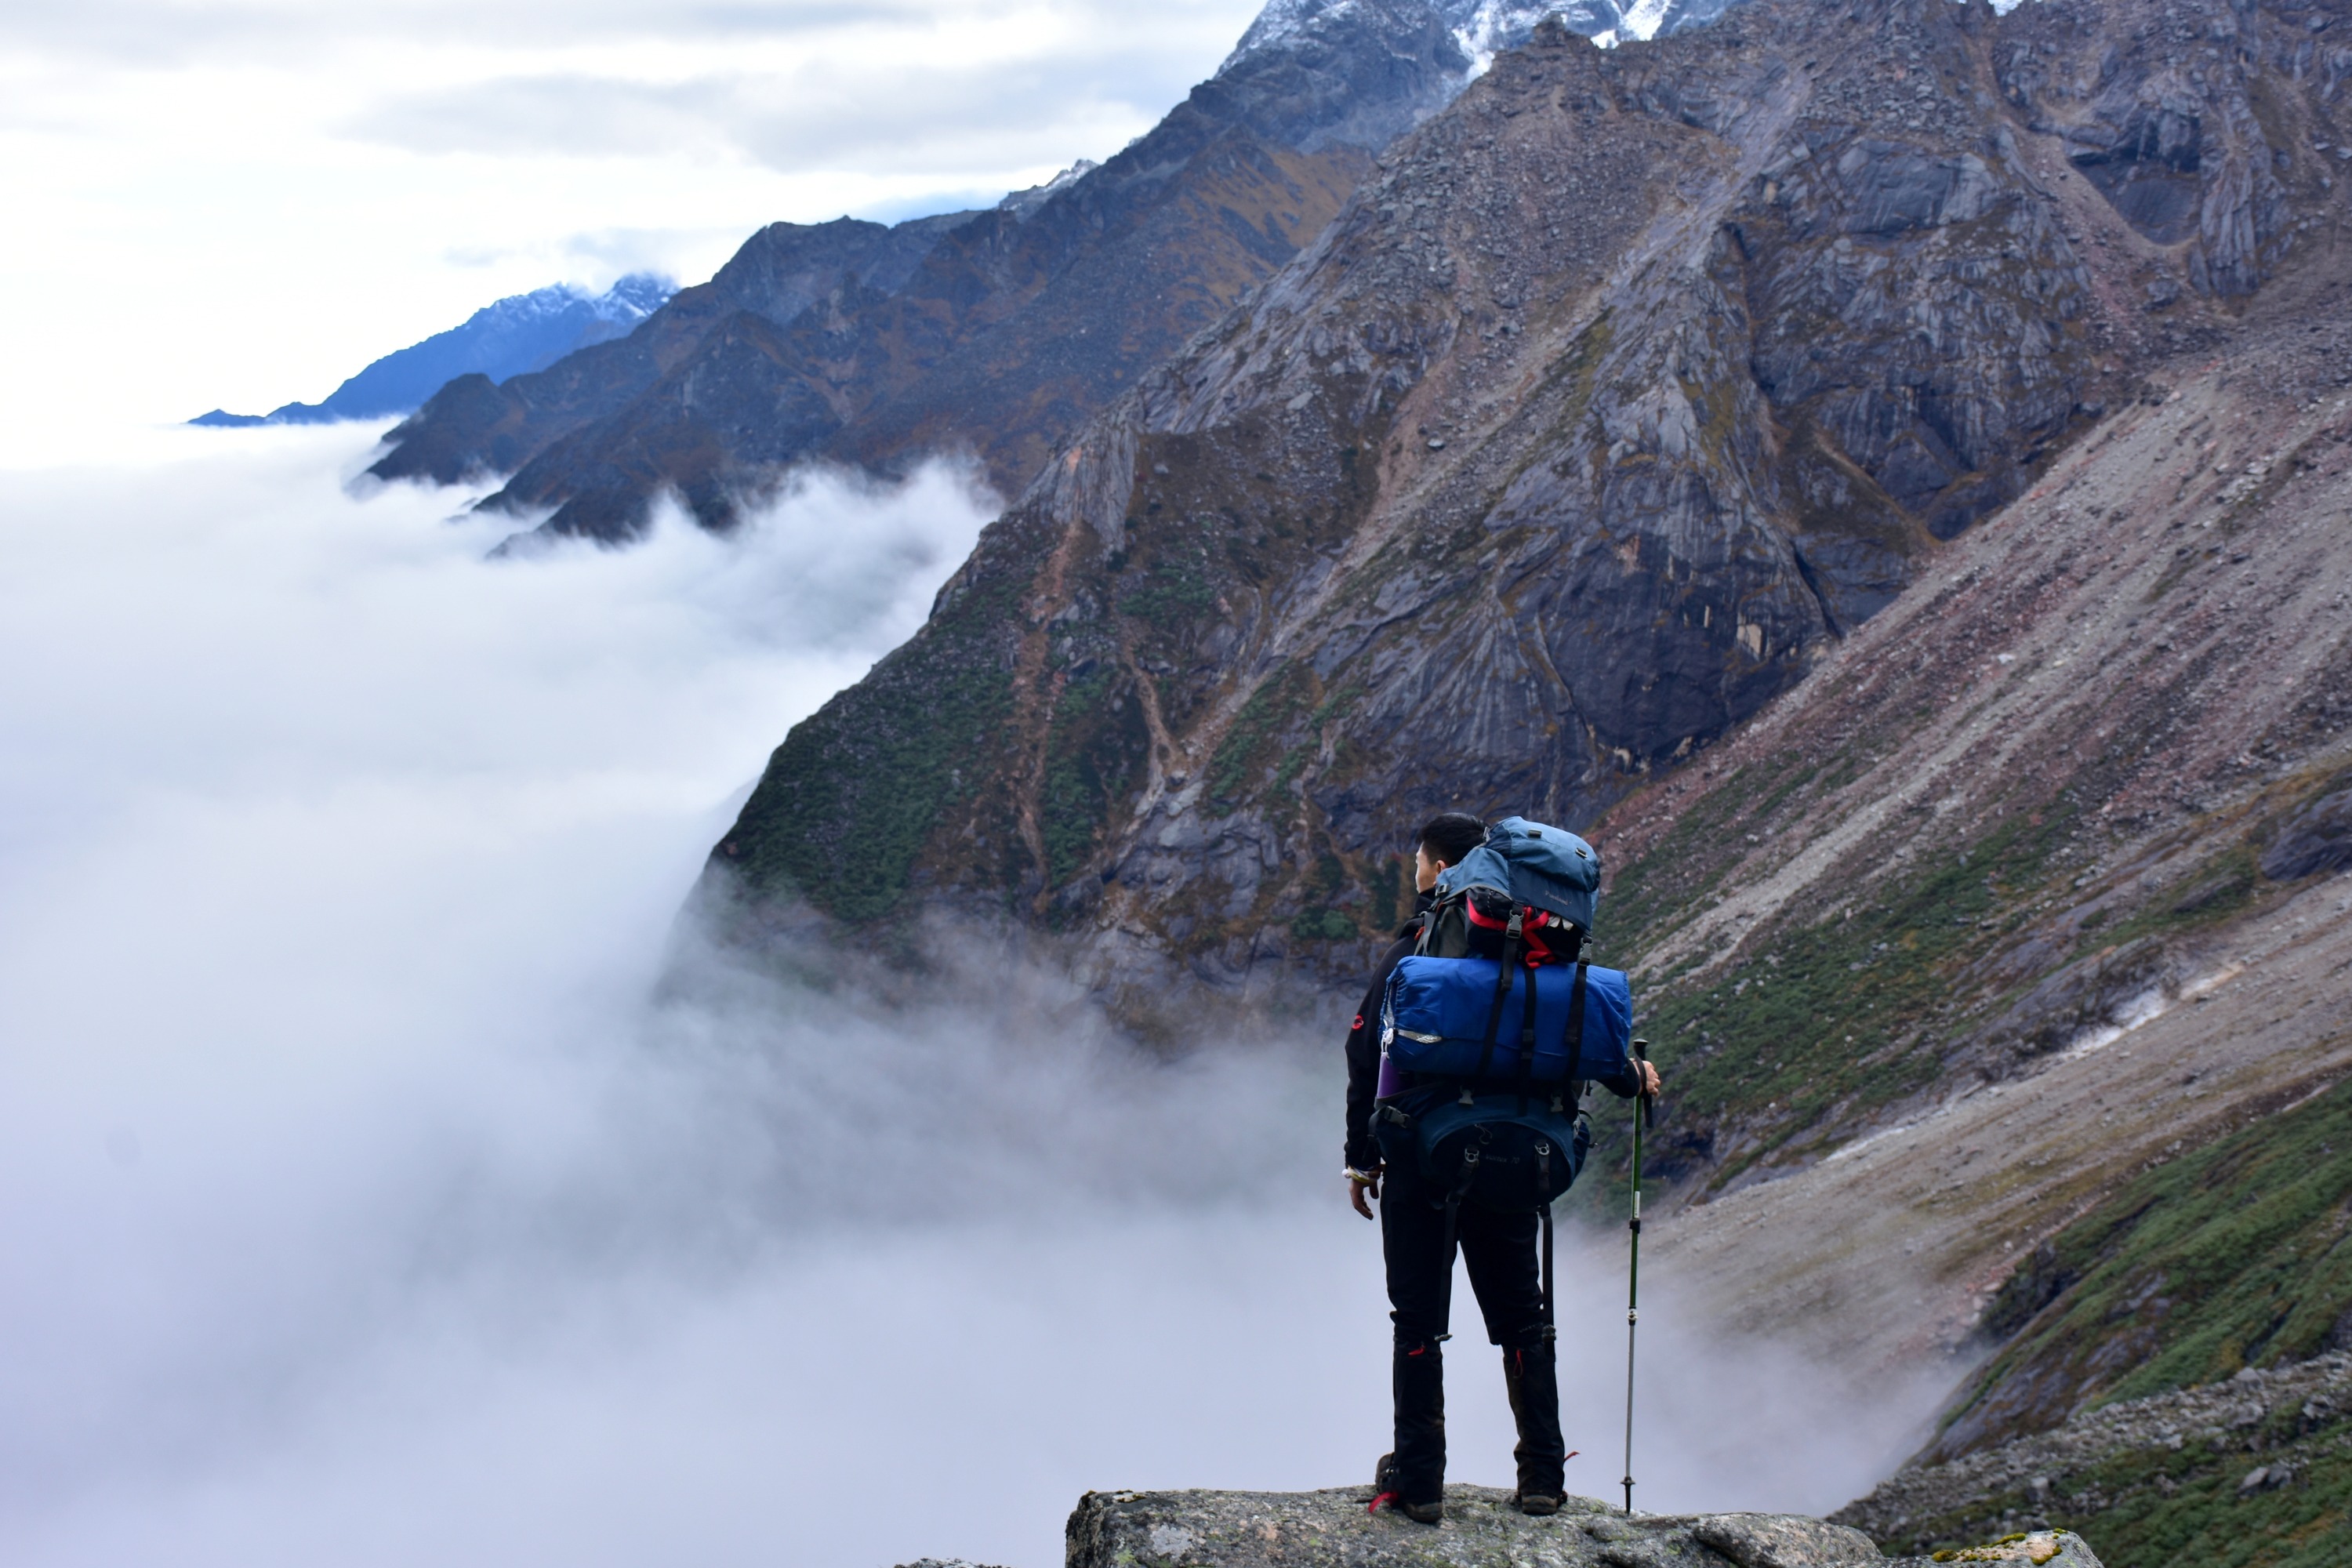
{"points": [[1649, 1100]]}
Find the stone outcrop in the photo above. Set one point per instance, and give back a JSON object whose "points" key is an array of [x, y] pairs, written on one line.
{"points": [[1334, 1529], [2314, 840]]}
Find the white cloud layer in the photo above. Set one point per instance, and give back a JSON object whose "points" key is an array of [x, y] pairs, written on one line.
{"points": [[360, 1202], [241, 205]]}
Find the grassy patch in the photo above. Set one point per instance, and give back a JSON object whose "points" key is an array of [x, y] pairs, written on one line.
{"points": [[1254, 738], [1094, 757], [1173, 592], [1833, 1010], [2152, 1507], [1823, 1013], [848, 802], [2234, 1255], [1323, 925]]}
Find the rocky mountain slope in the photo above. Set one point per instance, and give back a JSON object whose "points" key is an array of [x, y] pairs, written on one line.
{"points": [[1001, 331], [515, 336], [1632, 384]]}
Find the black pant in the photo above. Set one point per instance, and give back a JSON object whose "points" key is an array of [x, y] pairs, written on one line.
{"points": [[1500, 1252]]}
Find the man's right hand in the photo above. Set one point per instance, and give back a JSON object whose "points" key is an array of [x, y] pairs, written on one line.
{"points": [[1360, 1192]]}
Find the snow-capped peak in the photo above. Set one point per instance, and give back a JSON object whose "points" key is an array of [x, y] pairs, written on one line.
{"points": [[1021, 204], [1481, 27], [634, 298], [626, 302]]}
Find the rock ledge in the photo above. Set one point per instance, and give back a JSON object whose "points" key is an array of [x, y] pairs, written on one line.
{"points": [[1333, 1529]]}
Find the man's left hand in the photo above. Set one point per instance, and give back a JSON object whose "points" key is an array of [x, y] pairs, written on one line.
{"points": [[1360, 1190]]}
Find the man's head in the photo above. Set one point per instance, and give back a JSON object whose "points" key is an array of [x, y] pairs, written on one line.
{"points": [[1441, 843]]}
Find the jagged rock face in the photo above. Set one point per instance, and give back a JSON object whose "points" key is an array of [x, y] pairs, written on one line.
{"points": [[1629, 383], [1334, 1530], [999, 332], [2193, 141]]}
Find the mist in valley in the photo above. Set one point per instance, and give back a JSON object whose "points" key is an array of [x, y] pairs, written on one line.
{"points": [[388, 1174]]}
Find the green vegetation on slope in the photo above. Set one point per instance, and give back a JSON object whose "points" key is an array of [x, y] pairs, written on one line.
{"points": [[1860, 993], [1847, 1006], [2186, 1506], [845, 808], [1094, 752], [2231, 1256]]}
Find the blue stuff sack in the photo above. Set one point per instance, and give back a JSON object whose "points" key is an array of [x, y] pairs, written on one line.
{"points": [[1435, 1014]]}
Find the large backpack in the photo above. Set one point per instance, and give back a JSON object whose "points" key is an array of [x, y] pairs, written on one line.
{"points": [[1490, 1029]]}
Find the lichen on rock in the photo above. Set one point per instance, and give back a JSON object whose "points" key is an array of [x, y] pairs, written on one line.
{"points": [[2046, 1549]]}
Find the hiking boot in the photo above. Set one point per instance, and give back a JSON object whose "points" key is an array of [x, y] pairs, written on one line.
{"points": [[1530, 1375], [1384, 1491], [1416, 1470]]}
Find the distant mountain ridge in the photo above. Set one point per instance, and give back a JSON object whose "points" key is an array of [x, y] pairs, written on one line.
{"points": [[518, 335], [997, 333]]}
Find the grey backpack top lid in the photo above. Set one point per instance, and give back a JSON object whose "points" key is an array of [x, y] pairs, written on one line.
{"points": [[1530, 863]]}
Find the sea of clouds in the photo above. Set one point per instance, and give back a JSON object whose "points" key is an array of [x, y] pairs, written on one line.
{"points": [[388, 1174]]}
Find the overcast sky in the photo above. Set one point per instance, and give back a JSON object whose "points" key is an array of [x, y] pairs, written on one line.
{"points": [[241, 203]]}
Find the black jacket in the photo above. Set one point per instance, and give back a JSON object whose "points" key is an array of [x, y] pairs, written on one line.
{"points": [[1364, 1044], [1364, 1049]]}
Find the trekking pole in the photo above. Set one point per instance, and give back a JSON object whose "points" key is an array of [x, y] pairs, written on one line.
{"points": [[1633, 1270]]}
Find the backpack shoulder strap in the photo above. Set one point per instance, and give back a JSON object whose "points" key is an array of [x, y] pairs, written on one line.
{"points": [[1503, 993], [1572, 1036]]}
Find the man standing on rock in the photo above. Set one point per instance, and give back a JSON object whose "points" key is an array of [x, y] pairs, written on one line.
{"points": [[1499, 1250]]}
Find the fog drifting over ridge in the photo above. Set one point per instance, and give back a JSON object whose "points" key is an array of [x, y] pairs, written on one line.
{"points": [[362, 1200]]}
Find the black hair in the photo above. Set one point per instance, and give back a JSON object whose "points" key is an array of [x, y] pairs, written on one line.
{"points": [[1451, 836]]}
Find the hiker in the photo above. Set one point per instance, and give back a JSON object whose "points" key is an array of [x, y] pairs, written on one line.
{"points": [[1419, 1229], [1443, 842]]}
